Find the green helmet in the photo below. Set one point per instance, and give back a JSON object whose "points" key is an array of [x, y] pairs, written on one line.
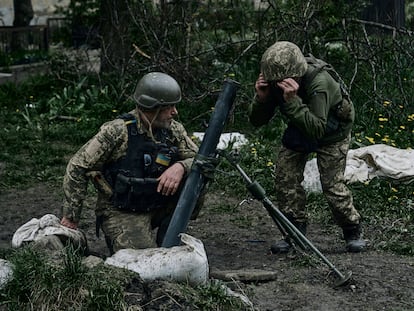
{"points": [[157, 89], [283, 60]]}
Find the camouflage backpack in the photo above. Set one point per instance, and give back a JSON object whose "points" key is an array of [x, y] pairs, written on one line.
{"points": [[345, 110]]}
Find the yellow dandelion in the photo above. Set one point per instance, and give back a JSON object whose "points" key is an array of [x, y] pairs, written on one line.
{"points": [[401, 106], [402, 127], [377, 134], [114, 110], [269, 163], [370, 139], [394, 189], [394, 197], [383, 119], [385, 139], [386, 103]]}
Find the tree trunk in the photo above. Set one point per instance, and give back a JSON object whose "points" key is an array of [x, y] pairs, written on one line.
{"points": [[115, 38], [389, 12], [23, 14]]}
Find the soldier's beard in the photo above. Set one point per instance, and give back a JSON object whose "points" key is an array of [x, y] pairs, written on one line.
{"points": [[166, 124]]}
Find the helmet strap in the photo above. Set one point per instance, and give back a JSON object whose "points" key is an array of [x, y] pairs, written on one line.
{"points": [[148, 122]]}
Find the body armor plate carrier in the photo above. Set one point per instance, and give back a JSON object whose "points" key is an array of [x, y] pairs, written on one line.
{"points": [[134, 177]]}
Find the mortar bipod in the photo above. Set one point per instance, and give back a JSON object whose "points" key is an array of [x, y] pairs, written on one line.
{"points": [[283, 223]]}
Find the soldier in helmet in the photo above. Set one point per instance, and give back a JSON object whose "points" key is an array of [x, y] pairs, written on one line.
{"points": [[138, 163], [313, 105]]}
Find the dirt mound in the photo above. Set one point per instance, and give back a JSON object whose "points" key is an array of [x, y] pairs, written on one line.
{"points": [[238, 237]]}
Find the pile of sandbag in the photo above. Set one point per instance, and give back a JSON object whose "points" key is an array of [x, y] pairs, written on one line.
{"points": [[184, 263]]}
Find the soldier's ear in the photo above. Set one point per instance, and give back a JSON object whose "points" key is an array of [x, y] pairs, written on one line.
{"points": [[298, 79]]}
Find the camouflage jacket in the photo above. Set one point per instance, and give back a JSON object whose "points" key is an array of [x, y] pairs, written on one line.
{"points": [[309, 111], [108, 145]]}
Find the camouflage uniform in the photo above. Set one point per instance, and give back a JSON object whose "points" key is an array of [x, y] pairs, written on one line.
{"points": [[291, 196], [312, 114], [123, 229]]}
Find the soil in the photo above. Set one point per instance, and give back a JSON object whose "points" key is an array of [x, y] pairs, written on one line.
{"points": [[239, 239]]}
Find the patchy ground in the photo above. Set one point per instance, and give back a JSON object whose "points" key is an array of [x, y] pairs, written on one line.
{"points": [[238, 237]]}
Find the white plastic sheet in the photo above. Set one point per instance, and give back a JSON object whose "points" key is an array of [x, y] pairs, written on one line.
{"points": [[364, 164], [185, 263]]}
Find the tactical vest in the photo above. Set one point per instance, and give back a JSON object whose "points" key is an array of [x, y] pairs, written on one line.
{"points": [[343, 111], [133, 176]]}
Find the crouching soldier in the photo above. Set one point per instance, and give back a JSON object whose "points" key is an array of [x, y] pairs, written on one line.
{"points": [[138, 162]]}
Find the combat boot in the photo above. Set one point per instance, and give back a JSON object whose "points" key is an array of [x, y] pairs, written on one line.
{"points": [[283, 246], [352, 237]]}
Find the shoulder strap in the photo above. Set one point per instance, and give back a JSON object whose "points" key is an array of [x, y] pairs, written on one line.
{"points": [[317, 64], [320, 65]]}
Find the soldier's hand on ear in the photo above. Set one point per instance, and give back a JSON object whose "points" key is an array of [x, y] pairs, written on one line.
{"points": [[290, 88], [262, 88]]}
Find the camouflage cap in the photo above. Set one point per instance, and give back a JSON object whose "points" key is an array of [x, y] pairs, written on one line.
{"points": [[283, 60]]}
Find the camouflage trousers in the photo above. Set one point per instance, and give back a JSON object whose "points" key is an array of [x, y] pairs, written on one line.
{"points": [[137, 230], [127, 229], [291, 196]]}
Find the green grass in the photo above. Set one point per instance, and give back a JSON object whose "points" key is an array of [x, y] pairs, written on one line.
{"points": [[64, 284], [212, 296]]}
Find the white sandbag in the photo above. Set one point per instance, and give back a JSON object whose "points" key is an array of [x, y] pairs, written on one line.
{"points": [[48, 225], [184, 263], [6, 272], [234, 139]]}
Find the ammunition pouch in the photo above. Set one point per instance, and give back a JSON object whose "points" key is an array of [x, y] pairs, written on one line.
{"points": [[137, 194], [295, 140], [344, 110], [332, 124]]}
